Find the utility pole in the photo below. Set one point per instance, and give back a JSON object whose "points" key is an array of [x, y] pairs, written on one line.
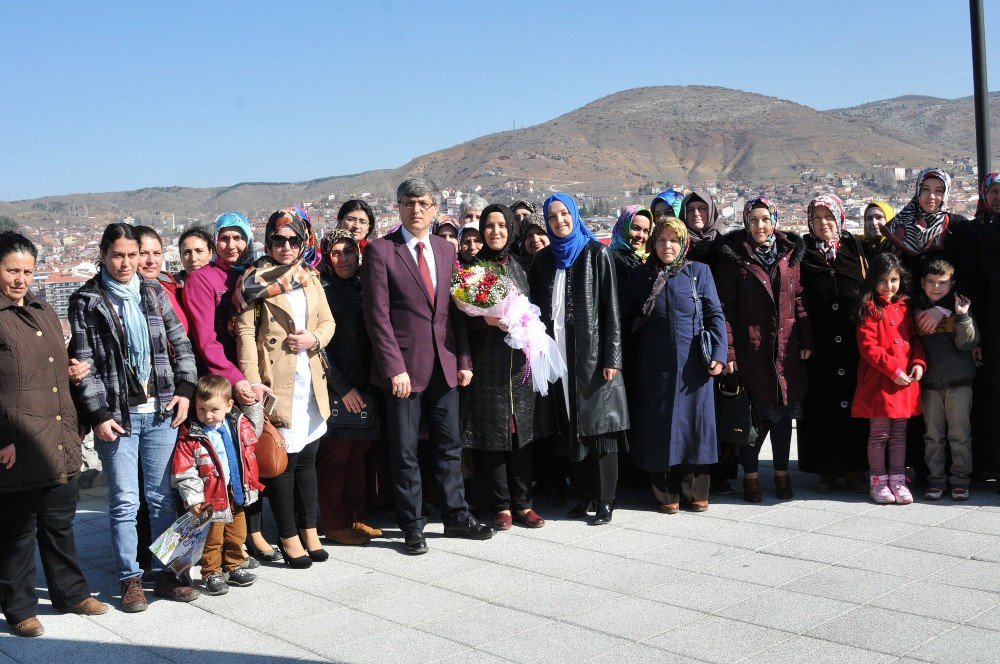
{"points": [[982, 91]]}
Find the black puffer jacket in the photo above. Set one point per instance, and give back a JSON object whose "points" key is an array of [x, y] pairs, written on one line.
{"points": [[498, 390], [594, 341], [349, 352]]}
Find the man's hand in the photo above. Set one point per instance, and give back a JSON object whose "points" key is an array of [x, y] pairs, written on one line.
{"points": [[928, 319], [78, 371], [7, 456], [182, 404], [108, 430], [401, 386], [464, 377], [353, 401]]}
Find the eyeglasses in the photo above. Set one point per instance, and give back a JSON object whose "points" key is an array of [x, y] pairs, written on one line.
{"points": [[361, 221], [293, 241], [419, 205]]}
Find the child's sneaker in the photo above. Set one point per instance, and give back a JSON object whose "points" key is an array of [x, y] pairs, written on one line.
{"points": [[879, 490], [934, 492], [897, 484], [959, 493], [241, 577], [215, 584]]}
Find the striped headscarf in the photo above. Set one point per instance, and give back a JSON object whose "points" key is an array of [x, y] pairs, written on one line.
{"points": [[914, 230], [269, 278]]}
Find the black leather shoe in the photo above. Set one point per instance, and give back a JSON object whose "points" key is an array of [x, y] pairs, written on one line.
{"points": [[470, 528], [302, 562], [580, 511], [414, 543], [604, 511]]}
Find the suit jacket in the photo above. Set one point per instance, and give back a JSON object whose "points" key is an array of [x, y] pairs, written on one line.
{"points": [[408, 334]]}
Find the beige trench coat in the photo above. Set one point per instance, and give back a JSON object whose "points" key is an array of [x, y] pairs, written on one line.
{"points": [[268, 360]]}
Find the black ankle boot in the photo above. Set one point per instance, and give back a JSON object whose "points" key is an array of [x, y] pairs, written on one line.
{"points": [[580, 511], [604, 511]]}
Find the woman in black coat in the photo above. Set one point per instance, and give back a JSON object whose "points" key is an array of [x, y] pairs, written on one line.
{"points": [[831, 442], [340, 460], [573, 283], [498, 408]]}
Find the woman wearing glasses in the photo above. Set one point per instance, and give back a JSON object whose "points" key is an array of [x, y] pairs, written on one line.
{"points": [[284, 320], [357, 217]]}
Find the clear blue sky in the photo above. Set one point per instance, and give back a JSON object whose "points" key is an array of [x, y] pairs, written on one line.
{"points": [[102, 96]]}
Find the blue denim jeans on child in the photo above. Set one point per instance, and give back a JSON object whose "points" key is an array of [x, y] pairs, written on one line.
{"points": [[153, 441]]}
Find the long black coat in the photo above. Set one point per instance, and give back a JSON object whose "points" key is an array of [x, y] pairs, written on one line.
{"points": [[831, 442], [985, 310], [498, 389], [767, 327], [594, 340], [349, 353]]}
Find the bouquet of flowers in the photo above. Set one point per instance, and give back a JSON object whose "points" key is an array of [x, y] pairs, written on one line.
{"points": [[485, 289]]}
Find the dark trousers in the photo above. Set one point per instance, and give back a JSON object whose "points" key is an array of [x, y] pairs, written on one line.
{"points": [[340, 475], [505, 478], [46, 516], [781, 446], [293, 494], [684, 483], [596, 476], [439, 404]]}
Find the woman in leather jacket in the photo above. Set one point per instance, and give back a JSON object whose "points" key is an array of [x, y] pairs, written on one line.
{"points": [[573, 283]]}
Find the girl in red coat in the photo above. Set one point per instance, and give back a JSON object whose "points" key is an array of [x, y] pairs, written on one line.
{"points": [[892, 363]]}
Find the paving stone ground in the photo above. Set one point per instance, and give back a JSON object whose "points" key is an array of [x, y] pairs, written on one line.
{"points": [[820, 578]]}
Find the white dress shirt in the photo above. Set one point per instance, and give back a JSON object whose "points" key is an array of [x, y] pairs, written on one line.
{"points": [[411, 244]]}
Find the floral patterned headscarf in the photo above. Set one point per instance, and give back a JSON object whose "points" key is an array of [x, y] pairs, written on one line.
{"points": [[832, 203], [619, 234]]}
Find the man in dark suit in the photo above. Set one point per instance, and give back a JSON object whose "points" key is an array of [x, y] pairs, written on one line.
{"points": [[420, 352]]}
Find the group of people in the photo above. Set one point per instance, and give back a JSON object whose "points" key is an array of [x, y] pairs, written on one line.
{"points": [[351, 350]]}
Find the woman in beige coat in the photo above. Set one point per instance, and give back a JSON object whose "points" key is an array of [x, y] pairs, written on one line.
{"points": [[283, 322]]}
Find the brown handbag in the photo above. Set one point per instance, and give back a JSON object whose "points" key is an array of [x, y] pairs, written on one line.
{"points": [[271, 451]]}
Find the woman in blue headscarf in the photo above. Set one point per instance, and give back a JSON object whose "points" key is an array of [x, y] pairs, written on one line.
{"points": [[573, 283], [666, 204]]}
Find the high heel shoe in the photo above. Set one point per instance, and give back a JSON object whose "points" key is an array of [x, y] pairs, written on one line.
{"points": [[301, 562], [603, 514], [254, 552], [318, 556]]}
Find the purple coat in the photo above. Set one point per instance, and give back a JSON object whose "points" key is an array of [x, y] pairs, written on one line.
{"points": [[207, 299], [407, 333]]}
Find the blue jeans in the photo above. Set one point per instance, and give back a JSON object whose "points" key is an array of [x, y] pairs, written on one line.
{"points": [[153, 441]]}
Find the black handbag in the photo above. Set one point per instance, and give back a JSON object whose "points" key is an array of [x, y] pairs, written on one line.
{"points": [[701, 334], [342, 418], [735, 419]]}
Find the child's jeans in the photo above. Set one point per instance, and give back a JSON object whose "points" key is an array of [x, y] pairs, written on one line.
{"points": [[224, 546], [947, 414], [887, 432]]}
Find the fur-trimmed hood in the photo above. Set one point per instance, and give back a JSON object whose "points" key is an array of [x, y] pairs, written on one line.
{"points": [[734, 246]]}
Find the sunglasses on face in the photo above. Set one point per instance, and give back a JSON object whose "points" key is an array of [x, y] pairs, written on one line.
{"points": [[293, 241]]}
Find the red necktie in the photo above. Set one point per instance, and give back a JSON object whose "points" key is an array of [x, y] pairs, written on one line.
{"points": [[425, 271]]}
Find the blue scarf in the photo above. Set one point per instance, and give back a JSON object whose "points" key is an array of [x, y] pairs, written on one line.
{"points": [[134, 322], [242, 224], [566, 249]]}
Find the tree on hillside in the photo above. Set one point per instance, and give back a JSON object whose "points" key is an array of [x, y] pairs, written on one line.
{"points": [[8, 224]]}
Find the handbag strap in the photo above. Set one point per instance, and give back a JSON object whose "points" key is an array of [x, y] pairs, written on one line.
{"points": [[699, 324]]}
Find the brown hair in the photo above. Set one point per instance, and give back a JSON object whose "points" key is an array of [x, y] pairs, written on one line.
{"points": [[939, 268], [213, 385]]}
